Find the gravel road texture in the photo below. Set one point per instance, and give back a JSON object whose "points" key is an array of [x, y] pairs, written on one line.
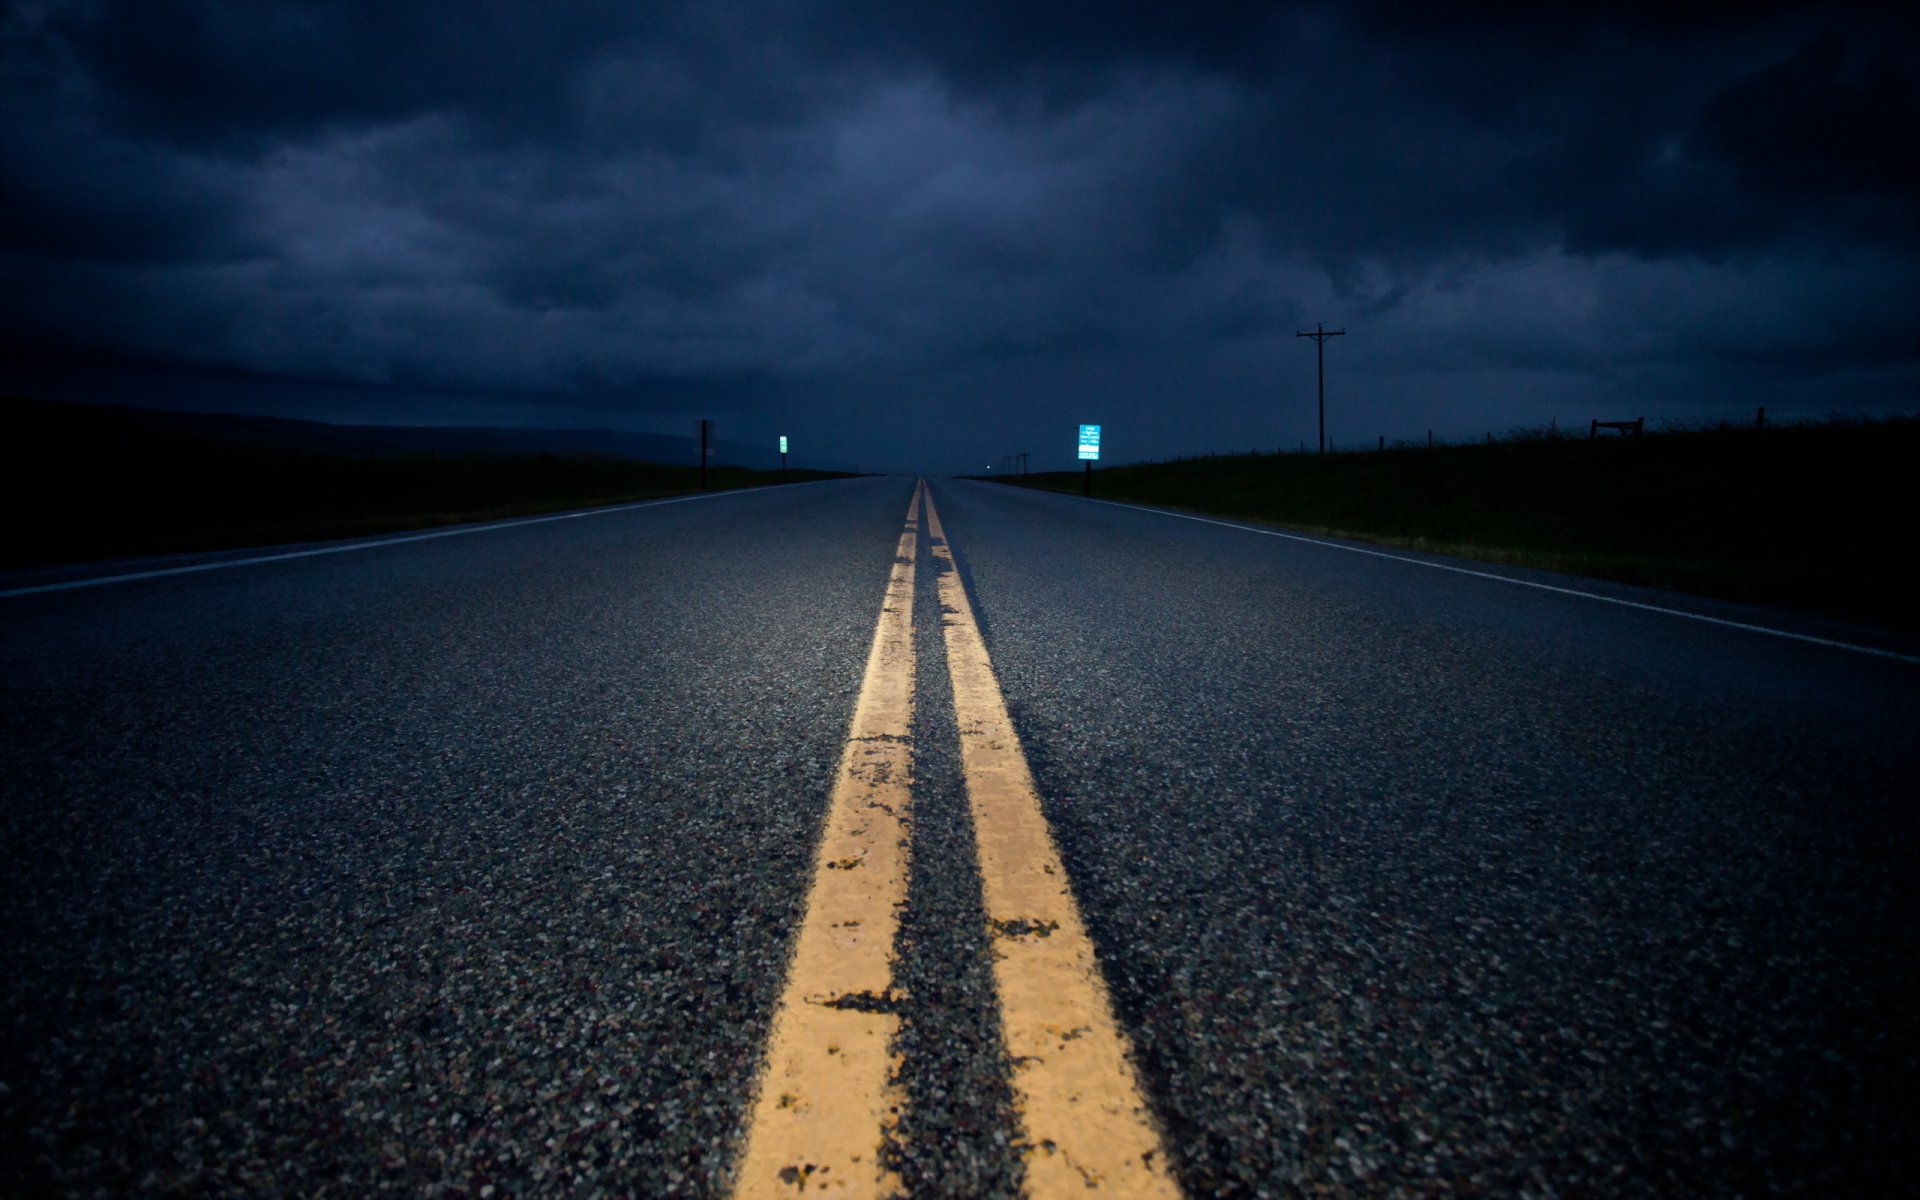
{"points": [[464, 866], [1410, 883], [467, 867]]}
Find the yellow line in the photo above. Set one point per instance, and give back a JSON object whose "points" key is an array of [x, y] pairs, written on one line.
{"points": [[825, 1100], [1082, 1115]]}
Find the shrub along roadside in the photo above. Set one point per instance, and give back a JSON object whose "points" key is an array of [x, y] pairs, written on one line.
{"points": [[110, 504], [1814, 517]]}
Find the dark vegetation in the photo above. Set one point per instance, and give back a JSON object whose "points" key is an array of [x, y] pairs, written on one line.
{"points": [[1819, 517], [85, 483]]}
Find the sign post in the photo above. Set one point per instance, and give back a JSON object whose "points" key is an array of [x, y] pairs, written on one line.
{"points": [[1089, 451]]}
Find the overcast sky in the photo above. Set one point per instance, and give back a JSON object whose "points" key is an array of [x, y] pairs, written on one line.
{"points": [[925, 236]]}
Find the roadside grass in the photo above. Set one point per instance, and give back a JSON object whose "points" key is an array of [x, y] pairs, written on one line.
{"points": [[120, 502], [1819, 517]]}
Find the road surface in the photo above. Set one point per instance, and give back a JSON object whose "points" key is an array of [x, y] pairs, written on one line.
{"points": [[478, 864]]}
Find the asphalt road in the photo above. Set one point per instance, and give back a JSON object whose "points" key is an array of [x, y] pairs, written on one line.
{"points": [[467, 866]]}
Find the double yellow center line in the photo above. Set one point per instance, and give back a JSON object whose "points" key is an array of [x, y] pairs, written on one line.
{"points": [[828, 1098]]}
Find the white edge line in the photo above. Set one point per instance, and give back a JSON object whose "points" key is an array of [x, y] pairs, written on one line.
{"points": [[458, 531], [1528, 583]]}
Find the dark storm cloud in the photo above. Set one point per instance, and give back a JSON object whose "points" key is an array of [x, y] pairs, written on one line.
{"points": [[233, 74], [1006, 206]]}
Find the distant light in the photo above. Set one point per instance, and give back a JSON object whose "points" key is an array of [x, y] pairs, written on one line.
{"points": [[1089, 442], [783, 443]]}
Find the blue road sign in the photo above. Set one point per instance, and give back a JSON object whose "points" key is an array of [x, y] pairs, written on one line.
{"points": [[1089, 442]]}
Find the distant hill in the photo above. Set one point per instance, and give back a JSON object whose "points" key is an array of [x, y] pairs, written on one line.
{"points": [[61, 429], [85, 482]]}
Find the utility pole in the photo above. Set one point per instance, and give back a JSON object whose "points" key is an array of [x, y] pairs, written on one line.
{"points": [[1320, 335], [706, 436]]}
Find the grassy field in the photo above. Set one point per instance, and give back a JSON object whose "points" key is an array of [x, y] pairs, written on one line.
{"points": [[77, 504], [1814, 517]]}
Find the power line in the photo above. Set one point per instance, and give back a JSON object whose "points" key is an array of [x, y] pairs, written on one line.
{"points": [[1320, 334]]}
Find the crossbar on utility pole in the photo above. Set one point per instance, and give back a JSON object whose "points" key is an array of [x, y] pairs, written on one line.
{"points": [[1320, 334]]}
